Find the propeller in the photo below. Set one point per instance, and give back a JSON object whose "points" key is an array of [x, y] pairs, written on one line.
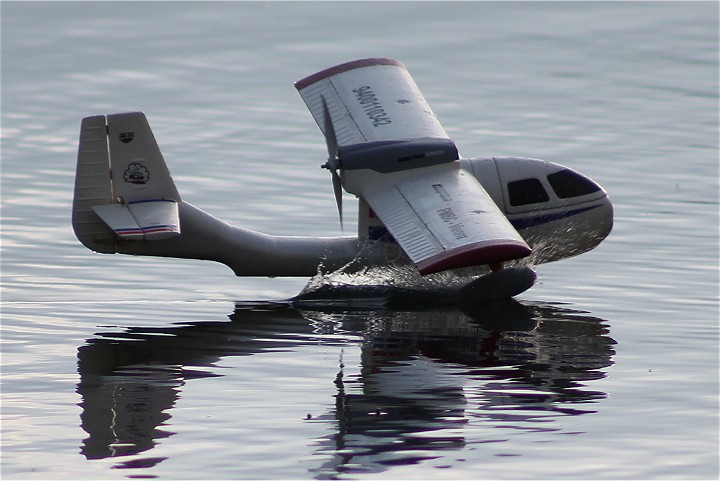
{"points": [[333, 162]]}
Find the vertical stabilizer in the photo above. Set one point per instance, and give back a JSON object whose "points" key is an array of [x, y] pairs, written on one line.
{"points": [[138, 169], [123, 188]]}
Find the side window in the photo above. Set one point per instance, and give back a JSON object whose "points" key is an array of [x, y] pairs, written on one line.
{"points": [[526, 191], [567, 183]]}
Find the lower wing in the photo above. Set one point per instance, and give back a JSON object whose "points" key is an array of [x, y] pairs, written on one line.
{"points": [[444, 219]]}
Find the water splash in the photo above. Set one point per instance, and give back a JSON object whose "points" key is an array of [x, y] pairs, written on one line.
{"points": [[392, 276], [402, 282]]}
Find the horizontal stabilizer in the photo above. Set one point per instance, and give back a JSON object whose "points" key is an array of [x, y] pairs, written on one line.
{"points": [[120, 220], [142, 220]]}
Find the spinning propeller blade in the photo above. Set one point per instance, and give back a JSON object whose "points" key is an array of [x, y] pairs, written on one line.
{"points": [[333, 161]]}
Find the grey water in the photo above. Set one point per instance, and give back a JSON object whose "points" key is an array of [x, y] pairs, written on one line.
{"points": [[120, 367]]}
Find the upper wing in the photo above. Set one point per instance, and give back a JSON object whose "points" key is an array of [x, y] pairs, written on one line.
{"points": [[370, 100], [443, 219]]}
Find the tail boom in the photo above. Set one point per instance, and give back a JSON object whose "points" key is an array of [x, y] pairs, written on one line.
{"points": [[247, 252]]}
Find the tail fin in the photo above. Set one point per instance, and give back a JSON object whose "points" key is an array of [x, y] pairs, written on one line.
{"points": [[122, 187]]}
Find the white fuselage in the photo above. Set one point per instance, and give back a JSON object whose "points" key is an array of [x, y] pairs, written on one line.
{"points": [[559, 212]]}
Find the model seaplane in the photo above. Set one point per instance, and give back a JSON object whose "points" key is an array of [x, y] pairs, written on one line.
{"points": [[420, 203]]}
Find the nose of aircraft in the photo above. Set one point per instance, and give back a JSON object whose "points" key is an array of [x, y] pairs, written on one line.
{"points": [[602, 221], [570, 185], [605, 219]]}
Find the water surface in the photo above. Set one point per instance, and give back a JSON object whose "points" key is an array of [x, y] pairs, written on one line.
{"points": [[116, 366]]}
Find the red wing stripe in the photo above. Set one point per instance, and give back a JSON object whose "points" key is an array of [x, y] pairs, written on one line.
{"points": [[480, 253], [366, 62]]}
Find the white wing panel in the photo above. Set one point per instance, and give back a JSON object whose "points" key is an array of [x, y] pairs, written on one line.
{"points": [[370, 100], [403, 223], [347, 132], [443, 219]]}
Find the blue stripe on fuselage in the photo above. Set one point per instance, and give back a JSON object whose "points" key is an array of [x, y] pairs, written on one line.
{"points": [[378, 232], [526, 222]]}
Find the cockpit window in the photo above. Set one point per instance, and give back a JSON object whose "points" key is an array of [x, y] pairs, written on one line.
{"points": [[567, 183], [526, 191]]}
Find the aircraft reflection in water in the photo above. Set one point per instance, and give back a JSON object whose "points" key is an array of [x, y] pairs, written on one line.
{"points": [[426, 369]]}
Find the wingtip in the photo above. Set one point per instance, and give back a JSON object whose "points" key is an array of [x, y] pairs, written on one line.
{"points": [[344, 67], [479, 253]]}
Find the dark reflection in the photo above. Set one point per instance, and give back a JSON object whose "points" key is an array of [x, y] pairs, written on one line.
{"points": [[428, 368]]}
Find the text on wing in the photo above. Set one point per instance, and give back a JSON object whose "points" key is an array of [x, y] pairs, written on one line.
{"points": [[371, 106]]}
